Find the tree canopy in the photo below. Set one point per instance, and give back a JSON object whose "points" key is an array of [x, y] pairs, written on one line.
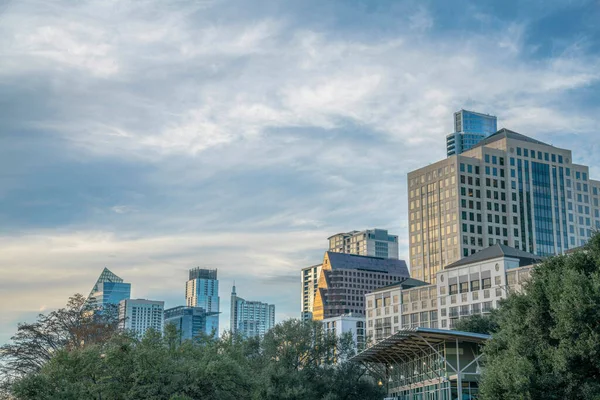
{"points": [[547, 342], [295, 360]]}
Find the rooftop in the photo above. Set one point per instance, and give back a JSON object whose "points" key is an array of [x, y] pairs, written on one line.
{"points": [[504, 134], [407, 341], [367, 263], [406, 283], [496, 251]]}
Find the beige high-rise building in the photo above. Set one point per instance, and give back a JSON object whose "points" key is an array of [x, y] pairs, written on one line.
{"points": [[509, 189]]}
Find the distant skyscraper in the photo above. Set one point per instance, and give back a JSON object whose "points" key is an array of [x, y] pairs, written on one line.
{"points": [[509, 189], [139, 315], [370, 242], [109, 289], [346, 278], [190, 321], [250, 318], [310, 283], [202, 290], [469, 129]]}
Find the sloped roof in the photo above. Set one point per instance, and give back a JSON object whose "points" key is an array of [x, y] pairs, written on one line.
{"points": [[406, 283], [506, 133], [106, 276], [496, 251], [352, 261]]}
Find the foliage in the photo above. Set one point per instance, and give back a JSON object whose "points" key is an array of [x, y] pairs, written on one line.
{"points": [[476, 323], [547, 344], [72, 327], [295, 360]]}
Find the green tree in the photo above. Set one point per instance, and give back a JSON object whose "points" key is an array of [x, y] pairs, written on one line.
{"points": [[485, 324], [547, 344]]}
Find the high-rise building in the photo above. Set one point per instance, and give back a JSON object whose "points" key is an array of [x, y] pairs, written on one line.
{"points": [[202, 290], [509, 189], [250, 318], [108, 289], [190, 321], [471, 286], [139, 315], [469, 129], [346, 278], [370, 242], [310, 282]]}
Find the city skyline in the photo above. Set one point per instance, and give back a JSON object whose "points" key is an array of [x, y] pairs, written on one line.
{"points": [[239, 138]]}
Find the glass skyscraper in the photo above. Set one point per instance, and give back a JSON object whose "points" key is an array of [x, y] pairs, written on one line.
{"points": [[469, 129], [190, 321], [202, 290], [108, 289]]}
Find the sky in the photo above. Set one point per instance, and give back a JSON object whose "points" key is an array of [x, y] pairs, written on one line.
{"points": [[151, 137]]}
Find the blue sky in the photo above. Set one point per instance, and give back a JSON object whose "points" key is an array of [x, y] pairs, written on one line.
{"points": [[150, 137]]}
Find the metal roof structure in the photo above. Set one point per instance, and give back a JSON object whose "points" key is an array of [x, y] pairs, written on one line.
{"points": [[496, 251], [403, 343]]}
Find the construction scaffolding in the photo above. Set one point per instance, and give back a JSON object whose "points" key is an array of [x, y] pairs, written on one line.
{"points": [[427, 364]]}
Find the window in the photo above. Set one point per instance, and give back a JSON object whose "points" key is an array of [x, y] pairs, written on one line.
{"points": [[474, 285], [453, 289], [486, 283], [464, 287]]}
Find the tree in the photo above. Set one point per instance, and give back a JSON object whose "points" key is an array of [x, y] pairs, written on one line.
{"points": [[547, 344], [72, 327], [476, 323]]}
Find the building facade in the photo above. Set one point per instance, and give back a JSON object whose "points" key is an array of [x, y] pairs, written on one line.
{"points": [[370, 242], [385, 308], [250, 318], [310, 282], [472, 285], [190, 321], [509, 189], [469, 129], [346, 278], [109, 289], [202, 290], [344, 324], [139, 315]]}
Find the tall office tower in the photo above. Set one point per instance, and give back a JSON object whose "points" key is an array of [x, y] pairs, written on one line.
{"points": [[250, 318], [139, 315], [108, 289], [190, 321], [370, 242], [509, 189], [202, 290], [310, 282], [346, 278], [469, 129]]}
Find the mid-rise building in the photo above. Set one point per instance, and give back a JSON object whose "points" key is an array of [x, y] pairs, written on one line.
{"points": [[384, 307], [346, 278], [344, 324], [469, 129], [139, 315], [509, 189], [202, 290], [190, 321], [250, 318], [109, 289], [370, 242], [310, 282], [472, 285]]}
